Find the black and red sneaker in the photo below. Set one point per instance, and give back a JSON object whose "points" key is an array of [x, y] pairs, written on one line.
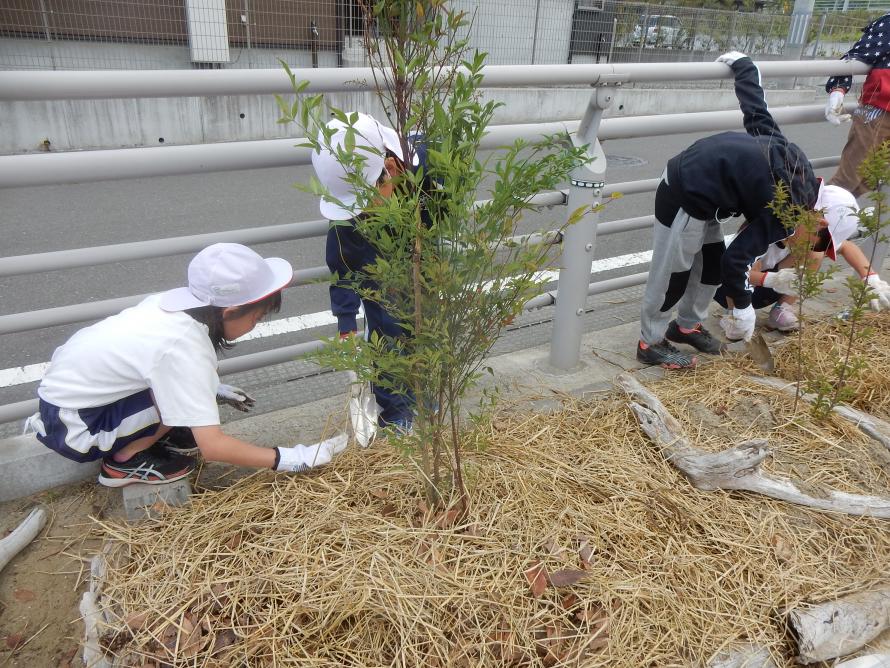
{"points": [[152, 466], [179, 440], [664, 354], [699, 338]]}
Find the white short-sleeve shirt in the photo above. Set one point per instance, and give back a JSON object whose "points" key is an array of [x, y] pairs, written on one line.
{"points": [[142, 347]]}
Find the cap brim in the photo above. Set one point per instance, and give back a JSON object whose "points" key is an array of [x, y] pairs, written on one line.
{"points": [[179, 299], [333, 211], [282, 275]]}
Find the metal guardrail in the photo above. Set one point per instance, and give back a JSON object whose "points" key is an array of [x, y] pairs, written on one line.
{"points": [[92, 85], [95, 165]]}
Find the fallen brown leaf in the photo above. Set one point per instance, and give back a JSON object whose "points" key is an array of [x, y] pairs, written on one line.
{"points": [[566, 577], [447, 519], [14, 641], [537, 578], [24, 595], [380, 493], [136, 620]]}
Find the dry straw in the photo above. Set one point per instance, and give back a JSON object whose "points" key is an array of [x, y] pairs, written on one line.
{"points": [[825, 344], [582, 547]]}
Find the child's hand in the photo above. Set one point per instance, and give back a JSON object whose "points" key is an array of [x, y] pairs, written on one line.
{"points": [[304, 457], [783, 281], [234, 397]]}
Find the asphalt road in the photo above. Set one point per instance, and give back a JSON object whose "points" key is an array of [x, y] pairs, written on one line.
{"points": [[48, 218]]}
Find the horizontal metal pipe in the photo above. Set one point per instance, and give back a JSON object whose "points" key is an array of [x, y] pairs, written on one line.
{"points": [[142, 250], [103, 165], [17, 411], [267, 357], [67, 315], [78, 85], [618, 283], [625, 225]]}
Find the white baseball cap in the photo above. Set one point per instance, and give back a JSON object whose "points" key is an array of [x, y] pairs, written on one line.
{"points": [[228, 275], [372, 141], [839, 208]]}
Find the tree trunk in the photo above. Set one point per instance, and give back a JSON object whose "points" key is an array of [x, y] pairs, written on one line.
{"points": [[736, 468]]}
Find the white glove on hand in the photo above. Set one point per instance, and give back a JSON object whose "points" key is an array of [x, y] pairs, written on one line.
{"points": [[730, 57], [738, 323], [881, 291], [304, 457], [234, 397], [834, 110], [783, 281]]}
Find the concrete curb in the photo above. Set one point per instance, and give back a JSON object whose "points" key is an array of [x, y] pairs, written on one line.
{"points": [[27, 467]]}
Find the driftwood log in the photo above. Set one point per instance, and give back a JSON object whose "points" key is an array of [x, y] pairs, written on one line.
{"points": [[873, 427], [747, 655], [840, 627], [22, 535], [867, 661], [736, 468]]}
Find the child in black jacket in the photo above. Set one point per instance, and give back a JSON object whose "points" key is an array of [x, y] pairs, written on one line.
{"points": [[717, 178]]}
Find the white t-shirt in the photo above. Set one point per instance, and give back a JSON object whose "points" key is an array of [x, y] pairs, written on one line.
{"points": [[142, 347]]}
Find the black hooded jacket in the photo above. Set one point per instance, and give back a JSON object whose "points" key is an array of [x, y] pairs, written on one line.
{"points": [[735, 174]]}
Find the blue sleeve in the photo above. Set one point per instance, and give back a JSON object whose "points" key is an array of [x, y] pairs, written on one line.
{"points": [[872, 48], [342, 259]]}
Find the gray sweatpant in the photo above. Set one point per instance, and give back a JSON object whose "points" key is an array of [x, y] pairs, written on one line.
{"points": [[684, 272]]}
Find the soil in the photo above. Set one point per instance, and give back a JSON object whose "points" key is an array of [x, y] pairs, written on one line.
{"points": [[40, 588]]}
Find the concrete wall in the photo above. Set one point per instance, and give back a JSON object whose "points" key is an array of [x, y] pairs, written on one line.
{"points": [[92, 124]]}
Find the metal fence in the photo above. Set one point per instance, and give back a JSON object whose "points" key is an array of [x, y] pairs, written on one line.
{"points": [[184, 34], [573, 286]]}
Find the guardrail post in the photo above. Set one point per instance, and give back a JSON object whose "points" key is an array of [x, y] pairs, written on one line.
{"points": [[579, 241]]}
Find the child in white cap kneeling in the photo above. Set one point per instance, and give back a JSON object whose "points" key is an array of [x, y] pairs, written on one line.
{"points": [[774, 279], [118, 386]]}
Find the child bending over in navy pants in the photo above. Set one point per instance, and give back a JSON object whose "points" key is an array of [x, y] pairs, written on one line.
{"points": [[117, 387]]}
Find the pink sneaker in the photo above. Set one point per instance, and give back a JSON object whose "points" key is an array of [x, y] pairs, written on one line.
{"points": [[783, 318]]}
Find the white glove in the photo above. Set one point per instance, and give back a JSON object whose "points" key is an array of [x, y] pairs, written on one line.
{"points": [[783, 281], [304, 457], [234, 397], [738, 323], [730, 57], [834, 110], [880, 290]]}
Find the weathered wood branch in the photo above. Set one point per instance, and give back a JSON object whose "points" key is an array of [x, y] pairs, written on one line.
{"points": [[22, 535], [873, 427], [747, 655], [736, 468], [836, 628]]}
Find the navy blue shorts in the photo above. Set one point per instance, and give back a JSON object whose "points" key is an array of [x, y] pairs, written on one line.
{"points": [[87, 434]]}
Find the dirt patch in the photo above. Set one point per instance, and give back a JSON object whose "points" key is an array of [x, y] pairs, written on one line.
{"points": [[40, 588]]}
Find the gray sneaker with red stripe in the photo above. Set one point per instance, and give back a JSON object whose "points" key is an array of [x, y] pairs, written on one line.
{"points": [[152, 466], [664, 354]]}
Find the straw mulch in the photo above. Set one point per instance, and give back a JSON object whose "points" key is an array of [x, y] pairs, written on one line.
{"points": [[825, 343], [582, 548]]}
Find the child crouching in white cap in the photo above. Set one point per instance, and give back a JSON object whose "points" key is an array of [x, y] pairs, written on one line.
{"points": [[118, 386], [774, 279]]}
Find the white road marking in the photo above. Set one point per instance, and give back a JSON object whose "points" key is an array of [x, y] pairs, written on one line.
{"points": [[33, 372]]}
